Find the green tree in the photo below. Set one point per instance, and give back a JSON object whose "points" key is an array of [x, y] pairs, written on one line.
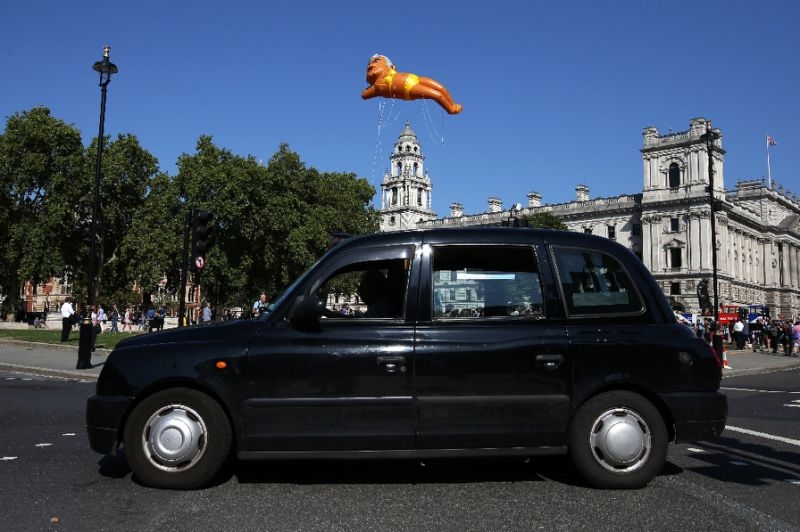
{"points": [[545, 220], [129, 177], [269, 223], [42, 164]]}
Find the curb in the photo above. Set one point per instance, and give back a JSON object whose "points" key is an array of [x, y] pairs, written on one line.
{"points": [[47, 372], [60, 347]]}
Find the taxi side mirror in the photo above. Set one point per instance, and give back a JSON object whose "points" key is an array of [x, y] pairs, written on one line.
{"points": [[306, 312]]}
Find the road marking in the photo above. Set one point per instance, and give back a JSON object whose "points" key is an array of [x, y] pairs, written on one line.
{"points": [[68, 434], [695, 450], [755, 390], [7, 458], [43, 444], [790, 441]]}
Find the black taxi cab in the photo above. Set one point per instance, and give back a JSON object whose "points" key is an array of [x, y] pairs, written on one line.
{"points": [[472, 342]]}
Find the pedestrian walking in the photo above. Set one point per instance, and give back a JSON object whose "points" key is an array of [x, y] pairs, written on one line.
{"points": [[128, 320], [206, 317], [67, 319], [114, 319]]}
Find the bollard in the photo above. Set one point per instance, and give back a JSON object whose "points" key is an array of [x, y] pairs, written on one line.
{"points": [[85, 344]]}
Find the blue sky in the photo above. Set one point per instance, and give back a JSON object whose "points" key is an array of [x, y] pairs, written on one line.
{"points": [[555, 93]]}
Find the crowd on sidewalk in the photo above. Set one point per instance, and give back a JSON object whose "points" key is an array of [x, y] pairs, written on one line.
{"points": [[763, 334]]}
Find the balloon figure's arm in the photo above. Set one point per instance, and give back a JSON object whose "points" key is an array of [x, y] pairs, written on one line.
{"points": [[370, 92]]}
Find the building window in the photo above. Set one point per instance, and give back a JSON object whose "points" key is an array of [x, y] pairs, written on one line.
{"points": [[392, 220], [674, 224], [674, 175], [419, 198], [675, 258], [587, 230], [675, 289], [612, 232]]}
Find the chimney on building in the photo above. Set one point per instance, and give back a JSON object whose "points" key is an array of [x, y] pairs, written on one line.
{"points": [[456, 210], [534, 200], [582, 193], [495, 204]]}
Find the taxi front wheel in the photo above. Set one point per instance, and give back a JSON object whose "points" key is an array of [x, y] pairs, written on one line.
{"points": [[178, 439]]}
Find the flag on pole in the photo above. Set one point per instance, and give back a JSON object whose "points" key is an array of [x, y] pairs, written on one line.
{"points": [[770, 142]]}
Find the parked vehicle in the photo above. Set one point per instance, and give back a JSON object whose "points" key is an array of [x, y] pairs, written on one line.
{"points": [[475, 342]]}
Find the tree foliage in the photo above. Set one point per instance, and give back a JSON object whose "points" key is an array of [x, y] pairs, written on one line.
{"points": [[42, 164], [545, 220], [270, 223]]}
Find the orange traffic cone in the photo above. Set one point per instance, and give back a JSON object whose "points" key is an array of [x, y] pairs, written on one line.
{"points": [[725, 363]]}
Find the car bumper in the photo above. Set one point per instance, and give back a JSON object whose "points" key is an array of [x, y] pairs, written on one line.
{"points": [[697, 415], [104, 415]]}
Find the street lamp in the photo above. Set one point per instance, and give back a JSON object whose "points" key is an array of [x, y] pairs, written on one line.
{"points": [[105, 68], [710, 136]]}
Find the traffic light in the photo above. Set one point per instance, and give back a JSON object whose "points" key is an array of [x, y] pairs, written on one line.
{"points": [[200, 236]]}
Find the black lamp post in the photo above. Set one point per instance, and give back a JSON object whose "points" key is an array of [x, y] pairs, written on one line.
{"points": [[105, 68], [710, 136]]}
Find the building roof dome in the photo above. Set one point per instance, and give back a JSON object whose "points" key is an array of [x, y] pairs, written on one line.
{"points": [[407, 135]]}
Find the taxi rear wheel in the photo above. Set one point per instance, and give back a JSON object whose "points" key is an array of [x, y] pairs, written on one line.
{"points": [[618, 440]]}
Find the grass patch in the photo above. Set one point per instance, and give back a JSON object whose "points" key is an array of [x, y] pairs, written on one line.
{"points": [[51, 336]]}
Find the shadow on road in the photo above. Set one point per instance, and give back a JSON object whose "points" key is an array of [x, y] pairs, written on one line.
{"points": [[406, 471], [769, 465]]}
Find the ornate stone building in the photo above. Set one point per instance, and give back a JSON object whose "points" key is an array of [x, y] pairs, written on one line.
{"points": [[667, 224], [406, 187]]}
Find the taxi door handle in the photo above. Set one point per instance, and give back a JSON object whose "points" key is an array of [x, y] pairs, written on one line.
{"points": [[549, 362], [392, 364]]}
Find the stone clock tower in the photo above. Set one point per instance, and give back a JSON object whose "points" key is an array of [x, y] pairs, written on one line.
{"points": [[406, 187]]}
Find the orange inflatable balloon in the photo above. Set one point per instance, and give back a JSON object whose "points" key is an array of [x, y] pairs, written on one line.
{"points": [[384, 80]]}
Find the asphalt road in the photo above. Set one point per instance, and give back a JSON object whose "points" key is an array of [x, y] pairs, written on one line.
{"points": [[51, 480]]}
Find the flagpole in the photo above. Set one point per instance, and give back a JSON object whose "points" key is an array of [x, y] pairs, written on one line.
{"points": [[769, 170]]}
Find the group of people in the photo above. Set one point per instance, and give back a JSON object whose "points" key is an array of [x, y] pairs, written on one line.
{"points": [[763, 334], [768, 334], [128, 318]]}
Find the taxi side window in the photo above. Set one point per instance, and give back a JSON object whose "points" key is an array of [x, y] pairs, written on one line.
{"points": [[594, 283], [472, 282], [371, 289]]}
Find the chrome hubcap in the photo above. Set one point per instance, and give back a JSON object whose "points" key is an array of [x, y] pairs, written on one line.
{"points": [[174, 438], [620, 440]]}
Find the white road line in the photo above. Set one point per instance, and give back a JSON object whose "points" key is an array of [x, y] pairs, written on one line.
{"points": [[790, 441], [755, 390], [43, 444], [7, 458], [68, 434]]}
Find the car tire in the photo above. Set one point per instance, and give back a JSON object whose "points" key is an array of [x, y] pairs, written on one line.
{"points": [[177, 439], [618, 440]]}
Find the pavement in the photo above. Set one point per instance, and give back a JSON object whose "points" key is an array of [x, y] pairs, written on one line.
{"points": [[54, 360]]}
